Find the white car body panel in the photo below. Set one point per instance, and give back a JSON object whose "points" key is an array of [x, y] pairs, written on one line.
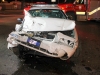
{"points": [[47, 24]]}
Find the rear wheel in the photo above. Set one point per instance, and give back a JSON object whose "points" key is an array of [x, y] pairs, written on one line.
{"points": [[71, 15]]}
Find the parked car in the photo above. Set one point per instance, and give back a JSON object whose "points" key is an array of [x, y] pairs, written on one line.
{"points": [[45, 31]]}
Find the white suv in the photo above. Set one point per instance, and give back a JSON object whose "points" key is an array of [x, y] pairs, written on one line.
{"points": [[45, 30]]}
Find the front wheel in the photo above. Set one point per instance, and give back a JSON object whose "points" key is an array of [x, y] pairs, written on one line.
{"points": [[20, 51]]}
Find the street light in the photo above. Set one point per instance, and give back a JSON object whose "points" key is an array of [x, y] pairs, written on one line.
{"points": [[3, 0], [53, 0]]}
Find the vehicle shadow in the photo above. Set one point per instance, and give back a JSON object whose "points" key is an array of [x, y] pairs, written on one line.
{"points": [[45, 66]]}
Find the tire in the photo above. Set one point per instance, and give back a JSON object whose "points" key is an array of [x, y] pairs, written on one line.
{"points": [[15, 50], [78, 50], [19, 51], [77, 53], [75, 56], [71, 15]]}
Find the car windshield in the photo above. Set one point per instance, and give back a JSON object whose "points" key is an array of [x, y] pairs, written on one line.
{"points": [[48, 13]]}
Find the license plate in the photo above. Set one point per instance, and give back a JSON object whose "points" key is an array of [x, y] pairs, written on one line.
{"points": [[33, 42]]}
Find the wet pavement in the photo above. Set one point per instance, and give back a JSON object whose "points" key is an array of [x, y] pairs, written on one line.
{"points": [[87, 63]]}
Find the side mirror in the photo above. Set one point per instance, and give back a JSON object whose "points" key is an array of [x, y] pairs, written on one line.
{"points": [[18, 27]]}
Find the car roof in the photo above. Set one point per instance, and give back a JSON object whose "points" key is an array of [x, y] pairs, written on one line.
{"points": [[44, 6]]}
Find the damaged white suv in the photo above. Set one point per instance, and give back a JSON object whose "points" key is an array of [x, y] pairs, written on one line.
{"points": [[45, 30]]}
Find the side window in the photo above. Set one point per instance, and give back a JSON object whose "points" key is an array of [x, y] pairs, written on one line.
{"points": [[79, 1]]}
